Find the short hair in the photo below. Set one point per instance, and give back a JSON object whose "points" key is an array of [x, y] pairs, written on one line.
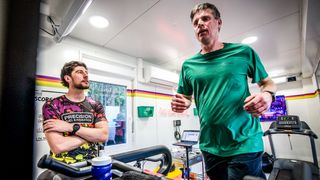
{"points": [[67, 70], [203, 6]]}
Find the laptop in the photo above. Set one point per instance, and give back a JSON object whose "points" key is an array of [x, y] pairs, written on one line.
{"points": [[189, 138]]}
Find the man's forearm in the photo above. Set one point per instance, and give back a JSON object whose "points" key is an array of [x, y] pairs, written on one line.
{"points": [[59, 143], [92, 134], [268, 85], [97, 134]]}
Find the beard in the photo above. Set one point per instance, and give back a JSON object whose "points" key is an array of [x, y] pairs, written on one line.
{"points": [[81, 86]]}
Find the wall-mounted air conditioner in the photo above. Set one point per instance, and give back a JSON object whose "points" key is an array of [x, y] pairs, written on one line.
{"points": [[287, 78], [102, 66], [160, 76], [71, 19]]}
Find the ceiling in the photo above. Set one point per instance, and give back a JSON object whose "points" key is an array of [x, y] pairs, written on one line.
{"points": [[160, 31]]}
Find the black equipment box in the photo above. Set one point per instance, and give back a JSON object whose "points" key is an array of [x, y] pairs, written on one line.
{"points": [[289, 122]]}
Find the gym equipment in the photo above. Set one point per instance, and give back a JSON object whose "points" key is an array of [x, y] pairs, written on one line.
{"points": [[293, 169], [119, 167], [189, 138], [267, 162], [194, 157]]}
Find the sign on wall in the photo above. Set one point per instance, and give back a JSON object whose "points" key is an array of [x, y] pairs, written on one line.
{"points": [[277, 108], [41, 96]]}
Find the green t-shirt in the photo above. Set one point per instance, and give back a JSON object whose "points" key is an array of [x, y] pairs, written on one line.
{"points": [[218, 81]]}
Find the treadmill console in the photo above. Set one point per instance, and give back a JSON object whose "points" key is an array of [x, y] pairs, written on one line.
{"points": [[288, 122]]}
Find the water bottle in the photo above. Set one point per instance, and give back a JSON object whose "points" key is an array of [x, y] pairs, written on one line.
{"points": [[101, 168]]}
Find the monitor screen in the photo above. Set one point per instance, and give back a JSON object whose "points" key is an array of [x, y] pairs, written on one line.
{"points": [[277, 108], [190, 135]]}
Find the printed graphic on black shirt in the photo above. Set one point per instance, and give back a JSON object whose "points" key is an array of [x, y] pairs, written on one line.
{"points": [[85, 113], [78, 117]]}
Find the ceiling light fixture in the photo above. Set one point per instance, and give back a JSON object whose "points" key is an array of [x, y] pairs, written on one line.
{"points": [[99, 22], [249, 40]]}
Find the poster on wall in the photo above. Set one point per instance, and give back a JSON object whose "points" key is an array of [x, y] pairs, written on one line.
{"points": [[114, 99], [41, 96], [277, 108]]}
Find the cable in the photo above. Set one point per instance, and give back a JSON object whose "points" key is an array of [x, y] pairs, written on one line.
{"points": [[177, 134], [52, 34], [54, 26], [290, 141]]}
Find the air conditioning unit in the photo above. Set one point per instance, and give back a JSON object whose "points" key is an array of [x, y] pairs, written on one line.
{"points": [[287, 78], [71, 19], [160, 76]]}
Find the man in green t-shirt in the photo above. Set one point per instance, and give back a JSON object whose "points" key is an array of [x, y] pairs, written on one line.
{"points": [[230, 131]]}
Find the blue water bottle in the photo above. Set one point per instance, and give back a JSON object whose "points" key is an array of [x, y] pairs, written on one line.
{"points": [[101, 168]]}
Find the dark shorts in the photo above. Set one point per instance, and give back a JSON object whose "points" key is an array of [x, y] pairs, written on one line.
{"points": [[233, 167]]}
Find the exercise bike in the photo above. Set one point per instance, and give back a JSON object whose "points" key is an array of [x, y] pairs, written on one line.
{"points": [[292, 169], [120, 169]]}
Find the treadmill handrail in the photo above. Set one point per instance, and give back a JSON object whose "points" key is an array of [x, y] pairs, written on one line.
{"points": [[124, 167], [142, 154], [304, 132], [47, 162]]}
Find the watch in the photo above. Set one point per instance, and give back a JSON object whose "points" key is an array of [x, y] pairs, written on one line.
{"points": [[273, 95], [75, 128]]}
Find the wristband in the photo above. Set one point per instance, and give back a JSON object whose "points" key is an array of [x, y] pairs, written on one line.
{"points": [[273, 95]]}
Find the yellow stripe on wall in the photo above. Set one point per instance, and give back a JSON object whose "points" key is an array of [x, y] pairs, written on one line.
{"points": [[152, 96], [49, 84], [303, 96], [55, 82]]}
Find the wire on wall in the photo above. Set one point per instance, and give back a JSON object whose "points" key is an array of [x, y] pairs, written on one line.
{"points": [[176, 125], [177, 134]]}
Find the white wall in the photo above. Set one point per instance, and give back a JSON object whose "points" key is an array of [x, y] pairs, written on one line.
{"points": [[162, 121], [141, 132], [144, 132]]}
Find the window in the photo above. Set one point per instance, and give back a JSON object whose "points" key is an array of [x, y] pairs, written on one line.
{"points": [[114, 99]]}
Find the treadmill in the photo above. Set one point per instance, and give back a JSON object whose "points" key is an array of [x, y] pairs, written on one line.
{"points": [[293, 169], [120, 169]]}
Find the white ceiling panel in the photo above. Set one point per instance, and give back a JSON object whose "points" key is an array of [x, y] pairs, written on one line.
{"points": [[275, 38], [160, 31], [160, 35], [164, 34], [241, 16], [120, 14]]}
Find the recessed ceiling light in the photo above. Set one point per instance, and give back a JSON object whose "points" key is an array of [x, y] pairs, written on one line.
{"points": [[99, 22], [249, 40]]}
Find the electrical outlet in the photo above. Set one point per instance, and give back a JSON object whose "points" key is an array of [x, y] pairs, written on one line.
{"points": [[176, 123]]}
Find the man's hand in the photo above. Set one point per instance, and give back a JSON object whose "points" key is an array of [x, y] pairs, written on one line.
{"points": [[56, 125], [180, 103], [257, 104]]}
